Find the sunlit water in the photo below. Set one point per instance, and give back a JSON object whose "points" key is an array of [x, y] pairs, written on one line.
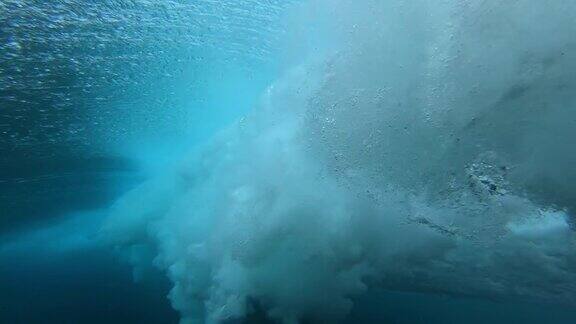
{"points": [[305, 161]]}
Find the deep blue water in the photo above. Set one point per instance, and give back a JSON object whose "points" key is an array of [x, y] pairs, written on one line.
{"points": [[91, 286], [302, 161]]}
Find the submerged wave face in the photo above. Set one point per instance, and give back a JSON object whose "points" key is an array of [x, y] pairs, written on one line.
{"points": [[421, 146]]}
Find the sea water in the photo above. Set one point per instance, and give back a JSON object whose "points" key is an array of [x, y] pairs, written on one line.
{"points": [[306, 161]]}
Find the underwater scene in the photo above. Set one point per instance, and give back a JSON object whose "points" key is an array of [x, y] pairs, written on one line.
{"points": [[288, 161]]}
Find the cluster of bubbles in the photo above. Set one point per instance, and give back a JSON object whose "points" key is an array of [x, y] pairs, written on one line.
{"points": [[426, 146]]}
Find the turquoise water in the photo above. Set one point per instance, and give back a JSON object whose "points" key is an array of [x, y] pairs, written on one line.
{"points": [[305, 161]]}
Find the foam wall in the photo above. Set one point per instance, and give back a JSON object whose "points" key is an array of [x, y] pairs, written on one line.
{"points": [[421, 146]]}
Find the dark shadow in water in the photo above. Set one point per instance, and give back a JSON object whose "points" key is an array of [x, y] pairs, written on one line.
{"points": [[33, 191], [79, 287]]}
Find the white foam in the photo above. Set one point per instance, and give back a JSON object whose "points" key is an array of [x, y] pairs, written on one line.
{"points": [[426, 151]]}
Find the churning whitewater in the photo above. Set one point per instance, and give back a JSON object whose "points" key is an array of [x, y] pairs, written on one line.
{"points": [[412, 145]]}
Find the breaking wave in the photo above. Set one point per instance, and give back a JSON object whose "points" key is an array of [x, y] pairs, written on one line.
{"points": [[415, 146]]}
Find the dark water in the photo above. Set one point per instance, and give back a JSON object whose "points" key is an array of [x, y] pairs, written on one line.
{"points": [[79, 287], [306, 161], [91, 286]]}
